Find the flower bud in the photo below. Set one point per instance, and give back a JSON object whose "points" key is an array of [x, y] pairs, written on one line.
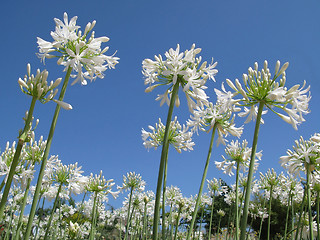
{"points": [[283, 68], [22, 83], [265, 65], [28, 69], [277, 67], [64, 105], [231, 85], [256, 66], [56, 83]]}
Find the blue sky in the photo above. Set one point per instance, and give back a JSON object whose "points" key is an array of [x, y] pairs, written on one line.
{"points": [[103, 129]]}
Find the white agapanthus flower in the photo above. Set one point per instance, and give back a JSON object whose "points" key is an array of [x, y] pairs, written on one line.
{"points": [[179, 136], [132, 181], [98, 184], [38, 87], [182, 68], [237, 154], [261, 87], [305, 155], [79, 51]]}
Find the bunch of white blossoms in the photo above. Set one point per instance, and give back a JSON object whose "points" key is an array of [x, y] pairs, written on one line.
{"points": [[179, 136], [260, 87], [38, 87], [133, 182], [305, 155], [211, 115], [76, 51], [238, 154], [182, 68]]}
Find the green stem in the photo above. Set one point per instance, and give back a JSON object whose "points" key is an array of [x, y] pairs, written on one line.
{"points": [[39, 218], [211, 215], [292, 217], [164, 199], [164, 155], [52, 212], [218, 230], [287, 216], [128, 215], [45, 156], [250, 173], [237, 202], [144, 221], [93, 220], [2, 183], [15, 161], [177, 224], [171, 225], [318, 227], [201, 219], [301, 212], [309, 204], [24, 203], [269, 212], [194, 214]]}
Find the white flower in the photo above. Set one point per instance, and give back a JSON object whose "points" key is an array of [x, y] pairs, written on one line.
{"points": [[80, 52], [179, 136], [182, 68]]}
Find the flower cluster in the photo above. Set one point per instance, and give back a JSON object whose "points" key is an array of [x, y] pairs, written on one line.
{"points": [[260, 87], [98, 184], [38, 87], [182, 68], [305, 155], [133, 181], [78, 51], [238, 154], [215, 115], [179, 136]]}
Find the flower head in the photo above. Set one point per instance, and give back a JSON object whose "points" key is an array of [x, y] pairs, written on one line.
{"points": [[238, 155], [133, 181], [182, 68], [79, 51], [261, 87], [179, 136]]}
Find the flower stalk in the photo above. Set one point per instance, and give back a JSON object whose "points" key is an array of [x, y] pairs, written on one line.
{"points": [[45, 155], [164, 155], [250, 173], [204, 175]]}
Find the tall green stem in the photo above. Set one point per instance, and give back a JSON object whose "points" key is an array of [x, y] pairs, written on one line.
{"points": [[237, 202], [211, 214], [128, 215], [204, 175], [2, 184], [318, 227], [250, 173], [287, 216], [301, 212], [15, 161], [269, 212], [164, 155], [164, 199], [24, 203], [144, 221], [177, 224], [264, 204], [52, 212], [45, 156], [93, 219], [309, 203]]}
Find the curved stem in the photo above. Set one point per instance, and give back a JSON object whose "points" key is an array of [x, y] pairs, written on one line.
{"points": [[164, 155], [45, 156], [204, 175], [52, 212], [250, 174], [15, 161]]}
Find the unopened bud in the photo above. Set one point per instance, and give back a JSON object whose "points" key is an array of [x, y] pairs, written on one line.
{"points": [[283, 68], [177, 102], [265, 65], [256, 66], [277, 67], [28, 69], [56, 83], [64, 105], [22, 83]]}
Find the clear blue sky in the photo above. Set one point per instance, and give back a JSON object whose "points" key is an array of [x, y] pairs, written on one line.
{"points": [[103, 129]]}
